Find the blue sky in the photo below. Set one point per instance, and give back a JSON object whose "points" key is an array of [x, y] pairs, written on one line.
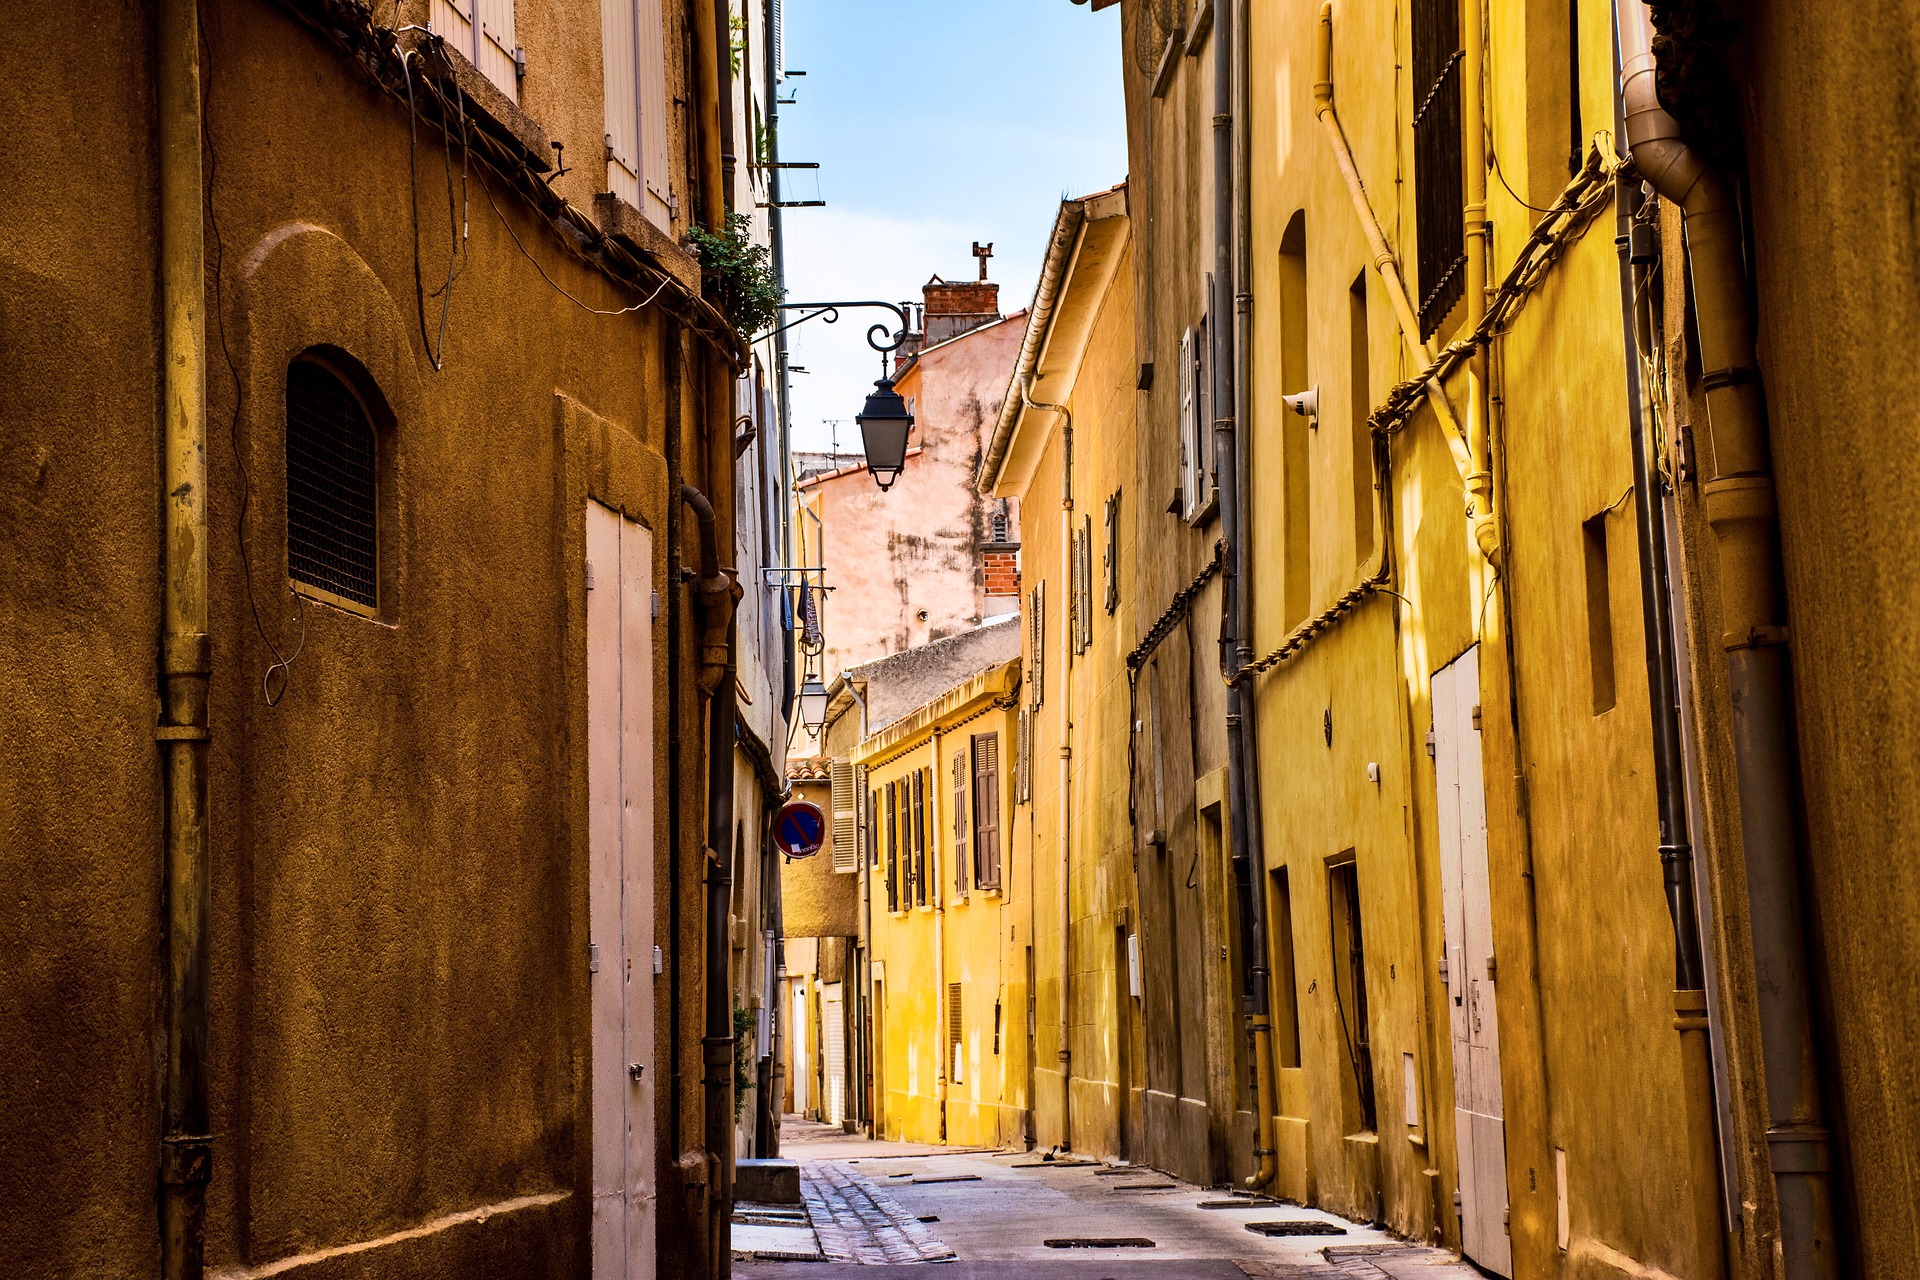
{"points": [[936, 123]]}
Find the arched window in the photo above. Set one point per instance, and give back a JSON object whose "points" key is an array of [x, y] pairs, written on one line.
{"points": [[332, 488]]}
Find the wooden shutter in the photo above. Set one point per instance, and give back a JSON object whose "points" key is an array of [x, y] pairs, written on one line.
{"points": [[1438, 177], [919, 837], [1189, 418], [961, 782], [1110, 556], [986, 810], [619, 54], [1037, 640], [955, 1028], [493, 50], [863, 814], [1023, 760], [452, 21], [846, 817], [893, 851], [651, 77]]}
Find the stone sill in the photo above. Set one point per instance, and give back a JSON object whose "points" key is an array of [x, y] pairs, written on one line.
{"points": [[487, 107], [622, 222]]}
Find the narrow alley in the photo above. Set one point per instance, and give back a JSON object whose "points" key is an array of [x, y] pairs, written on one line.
{"points": [[1086, 639]]}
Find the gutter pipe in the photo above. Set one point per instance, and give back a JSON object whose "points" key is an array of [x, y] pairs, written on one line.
{"points": [[186, 1142], [1025, 380], [1676, 849], [716, 592], [1232, 300], [1480, 514], [1738, 493], [1385, 264], [942, 1073]]}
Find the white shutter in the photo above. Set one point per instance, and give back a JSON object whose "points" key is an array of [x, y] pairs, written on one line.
{"points": [[493, 51], [1189, 416], [862, 806], [846, 821], [651, 79], [452, 21], [618, 52]]}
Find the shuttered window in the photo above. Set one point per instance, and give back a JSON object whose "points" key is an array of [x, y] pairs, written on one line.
{"points": [[846, 817], [919, 802], [1023, 760], [866, 840], [956, 1029], [893, 850], [962, 783], [1438, 180], [1037, 642], [986, 810], [481, 31], [633, 40], [332, 489], [1197, 496], [1110, 554]]}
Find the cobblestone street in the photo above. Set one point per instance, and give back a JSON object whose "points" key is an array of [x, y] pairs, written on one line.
{"points": [[890, 1208]]}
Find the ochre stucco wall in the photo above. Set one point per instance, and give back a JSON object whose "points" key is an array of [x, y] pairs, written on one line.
{"points": [[399, 990]]}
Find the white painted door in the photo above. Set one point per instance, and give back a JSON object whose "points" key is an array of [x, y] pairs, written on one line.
{"points": [[620, 854], [833, 1054], [802, 1074], [1466, 904]]}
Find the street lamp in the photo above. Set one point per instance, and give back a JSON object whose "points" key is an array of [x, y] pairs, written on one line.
{"points": [[884, 424], [813, 704]]}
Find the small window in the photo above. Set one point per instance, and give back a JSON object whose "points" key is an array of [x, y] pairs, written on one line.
{"points": [[332, 489]]}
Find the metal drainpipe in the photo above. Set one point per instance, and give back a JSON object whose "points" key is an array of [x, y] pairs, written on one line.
{"points": [[1676, 849], [1479, 234], [716, 594], [1232, 298], [186, 1143], [1738, 494], [1066, 760]]}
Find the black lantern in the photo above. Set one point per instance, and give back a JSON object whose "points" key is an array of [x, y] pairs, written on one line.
{"points": [[884, 424], [813, 704]]}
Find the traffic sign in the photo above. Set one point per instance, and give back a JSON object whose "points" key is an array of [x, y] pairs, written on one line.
{"points": [[799, 828]]}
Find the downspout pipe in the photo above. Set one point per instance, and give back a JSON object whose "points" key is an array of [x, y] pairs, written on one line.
{"points": [[1479, 232], [1738, 493], [186, 1141], [1232, 299], [944, 1070], [1066, 758], [715, 591], [709, 56], [1676, 850]]}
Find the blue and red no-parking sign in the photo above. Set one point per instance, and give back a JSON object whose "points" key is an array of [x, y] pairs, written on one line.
{"points": [[799, 828]]}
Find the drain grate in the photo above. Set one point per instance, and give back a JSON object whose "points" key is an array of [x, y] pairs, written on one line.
{"points": [[1296, 1227], [1262, 1203], [928, 1180], [1145, 1186], [1101, 1242]]}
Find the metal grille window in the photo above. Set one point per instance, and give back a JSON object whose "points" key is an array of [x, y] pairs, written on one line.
{"points": [[1439, 184], [956, 1027], [332, 488]]}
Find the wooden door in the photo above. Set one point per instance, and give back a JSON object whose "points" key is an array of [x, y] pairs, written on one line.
{"points": [[1466, 906], [620, 680]]}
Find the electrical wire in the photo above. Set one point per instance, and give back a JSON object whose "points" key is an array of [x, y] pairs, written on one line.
{"points": [[552, 283], [282, 662]]}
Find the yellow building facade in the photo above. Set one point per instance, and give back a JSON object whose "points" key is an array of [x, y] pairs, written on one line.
{"points": [[950, 1052], [1063, 447]]}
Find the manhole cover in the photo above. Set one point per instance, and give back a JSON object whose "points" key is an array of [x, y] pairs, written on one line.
{"points": [[1296, 1227], [1101, 1242]]}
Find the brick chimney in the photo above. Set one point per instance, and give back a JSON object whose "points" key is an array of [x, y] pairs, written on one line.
{"points": [[956, 308]]}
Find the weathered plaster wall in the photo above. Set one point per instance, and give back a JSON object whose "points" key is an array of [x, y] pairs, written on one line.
{"points": [[399, 1017], [892, 557]]}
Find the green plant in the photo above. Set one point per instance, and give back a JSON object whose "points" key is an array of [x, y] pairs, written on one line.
{"points": [[738, 274], [743, 1027]]}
